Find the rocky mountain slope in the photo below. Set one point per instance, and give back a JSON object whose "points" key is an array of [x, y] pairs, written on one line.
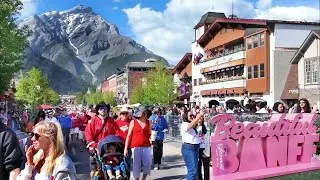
{"points": [[78, 47]]}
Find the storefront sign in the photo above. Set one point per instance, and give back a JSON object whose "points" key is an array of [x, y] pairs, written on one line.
{"points": [[282, 145], [293, 91]]}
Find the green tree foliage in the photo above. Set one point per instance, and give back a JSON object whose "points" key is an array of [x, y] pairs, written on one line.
{"points": [[13, 41], [156, 88], [109, 98], [94, 98], [33, 90], [80, 97], [97, 97]]}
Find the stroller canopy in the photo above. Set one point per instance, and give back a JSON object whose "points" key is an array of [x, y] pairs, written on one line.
{"points": [[107, 140]]}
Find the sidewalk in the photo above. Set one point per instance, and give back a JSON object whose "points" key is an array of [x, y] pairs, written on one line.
{"points": [[173, 166]]}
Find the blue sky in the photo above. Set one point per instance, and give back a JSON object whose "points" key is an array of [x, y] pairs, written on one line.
{"points": [[170, 22]]}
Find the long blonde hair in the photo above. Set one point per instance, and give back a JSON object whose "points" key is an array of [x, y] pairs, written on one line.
{"points": [[54, 133]]}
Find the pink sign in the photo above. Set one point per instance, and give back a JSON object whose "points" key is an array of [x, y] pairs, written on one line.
{"points": [[258, 150]]}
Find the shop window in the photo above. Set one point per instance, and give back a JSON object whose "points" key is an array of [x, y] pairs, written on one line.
{"points": [[262, 39], [249, 43], [249, 72], [255, 41], [200, 80], [195, 82], [255, 71], [261, 70]]}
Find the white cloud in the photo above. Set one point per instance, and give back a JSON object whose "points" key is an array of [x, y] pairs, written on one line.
{"points": [[29, 8], [264, 4], [115, 8], [170, 33]]}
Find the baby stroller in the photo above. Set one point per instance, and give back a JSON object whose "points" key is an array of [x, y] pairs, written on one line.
{"points": [[102, 155]]}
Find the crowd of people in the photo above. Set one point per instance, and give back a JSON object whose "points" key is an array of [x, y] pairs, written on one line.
{"points": [[141, 131]]}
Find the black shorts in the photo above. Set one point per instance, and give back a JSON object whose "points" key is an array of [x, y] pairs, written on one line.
{"points": [[93, 163]]}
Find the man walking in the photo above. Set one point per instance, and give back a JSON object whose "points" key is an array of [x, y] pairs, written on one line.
{"points": [[99, 127], [66, 124], [160, 125]]}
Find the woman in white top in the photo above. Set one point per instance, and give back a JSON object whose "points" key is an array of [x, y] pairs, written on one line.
{"points": [[204, 151], [191, 143], [53, 163]]}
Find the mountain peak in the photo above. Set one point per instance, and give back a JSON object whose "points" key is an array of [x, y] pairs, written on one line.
{"points": [[78, 9]]}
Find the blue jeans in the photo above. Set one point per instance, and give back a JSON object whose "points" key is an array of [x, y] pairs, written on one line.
{"points": [[190, 154]]}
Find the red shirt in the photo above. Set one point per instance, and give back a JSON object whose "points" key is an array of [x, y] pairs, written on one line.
{"points": [[123, 129], [94, 126], [140, 137], [83, 121], [110, 160]]}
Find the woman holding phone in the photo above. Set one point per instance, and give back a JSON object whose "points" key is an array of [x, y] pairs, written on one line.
{"points": [[191, 142], [53, 162]]}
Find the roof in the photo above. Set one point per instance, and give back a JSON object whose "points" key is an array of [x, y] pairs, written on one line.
{"points": [[208, 18], [215, 25], [249, 31], [140, 65], [305, 45], [183, 62]]}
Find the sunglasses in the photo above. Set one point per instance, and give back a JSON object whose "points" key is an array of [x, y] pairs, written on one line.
{"points": [[102, 108], [36, 135], [124, 113]]}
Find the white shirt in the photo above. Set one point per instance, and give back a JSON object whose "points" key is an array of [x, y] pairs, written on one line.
{"points": [[262, 111], [189, 136], [204, 141], [53, 119]]}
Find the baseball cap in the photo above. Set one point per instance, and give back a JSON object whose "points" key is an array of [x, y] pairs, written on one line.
{"points": [[50, 112]]}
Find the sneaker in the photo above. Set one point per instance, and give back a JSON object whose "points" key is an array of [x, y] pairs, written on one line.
{"points": [[156, 167], [119, 177], [113, 178]]}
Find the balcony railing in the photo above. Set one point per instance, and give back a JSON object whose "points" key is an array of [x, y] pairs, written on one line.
{"points": [[224, 53], [210, 81]]}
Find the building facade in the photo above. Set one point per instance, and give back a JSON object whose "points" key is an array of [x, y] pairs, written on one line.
{"points": [[182, 75], [110, 84], [233, 57], [307, 60]]}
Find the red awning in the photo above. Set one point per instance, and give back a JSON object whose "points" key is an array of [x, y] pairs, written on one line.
{"points": [[44, 107]]}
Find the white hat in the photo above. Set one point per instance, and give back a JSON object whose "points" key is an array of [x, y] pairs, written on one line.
{"points": [[124, 109], [138, 112]]}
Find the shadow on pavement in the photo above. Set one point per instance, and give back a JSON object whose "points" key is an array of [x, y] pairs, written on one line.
{"points": [[173, 177], [173, 166]]}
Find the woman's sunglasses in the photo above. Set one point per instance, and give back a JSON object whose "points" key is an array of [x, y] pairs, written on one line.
{"points": [[124, 113], [36, 135]]}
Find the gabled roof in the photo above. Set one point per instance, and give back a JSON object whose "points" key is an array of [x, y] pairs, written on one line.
{"points": [[305, 45], [183, 62], [140, 65], [216, 25], [208, 18]]}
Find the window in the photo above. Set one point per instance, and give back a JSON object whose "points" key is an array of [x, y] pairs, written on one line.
{"points": [[195, 82], [308, 72], [262, 39], [255, 71], [249, 72], [200, 81], [261, 70], [249, 43], [255, 41], [315, 71]]}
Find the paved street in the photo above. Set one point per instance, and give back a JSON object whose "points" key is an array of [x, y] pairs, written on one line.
{"points": [[173, 165]]}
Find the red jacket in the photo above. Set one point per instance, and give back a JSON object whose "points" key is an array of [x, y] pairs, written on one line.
{"points": [[93, 128]]}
